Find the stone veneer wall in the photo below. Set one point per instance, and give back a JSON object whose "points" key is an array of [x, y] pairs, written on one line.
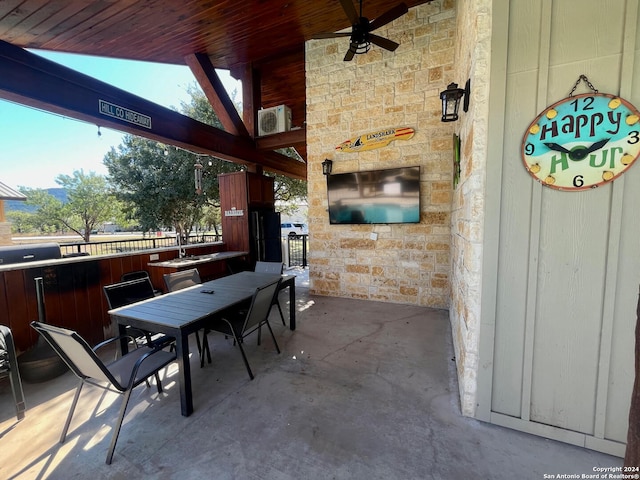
{"points": [[467, 215], [408, 263]]}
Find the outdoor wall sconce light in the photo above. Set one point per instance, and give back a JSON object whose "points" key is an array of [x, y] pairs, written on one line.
{"points": [[327, 165], [451, 101], [198, 175]]}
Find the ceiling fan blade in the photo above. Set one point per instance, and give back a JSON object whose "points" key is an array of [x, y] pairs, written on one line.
{"points": [[320, 36], [350, 53], [350, 10], [383, 42], [388, 16]]}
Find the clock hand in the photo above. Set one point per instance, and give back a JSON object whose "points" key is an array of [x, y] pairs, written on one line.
{"points": [[597, 145], [580, 153], [557, 148]]}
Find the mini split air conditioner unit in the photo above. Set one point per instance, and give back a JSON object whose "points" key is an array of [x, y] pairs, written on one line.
{"points": [[274, 120]]}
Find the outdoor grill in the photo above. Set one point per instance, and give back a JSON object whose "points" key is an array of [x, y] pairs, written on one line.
{"points": [[29, 253]]}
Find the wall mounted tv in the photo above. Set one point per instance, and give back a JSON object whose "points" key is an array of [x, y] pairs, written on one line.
{"points": [[377, 196]]}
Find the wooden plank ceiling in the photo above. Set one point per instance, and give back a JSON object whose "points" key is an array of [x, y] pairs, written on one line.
{"points": [[261, 42]]}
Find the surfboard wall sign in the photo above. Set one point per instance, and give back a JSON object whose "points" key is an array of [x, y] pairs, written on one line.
{"points": [[379, 139]]}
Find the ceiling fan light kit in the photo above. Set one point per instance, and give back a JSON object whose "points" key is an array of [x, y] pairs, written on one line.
{"points": [[361, 38]]}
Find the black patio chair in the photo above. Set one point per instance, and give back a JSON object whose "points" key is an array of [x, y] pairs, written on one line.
{"points": [[120, 376], [241, 323], [9, 368], [137, 274], [183, 279], [132, 291], [277, 268], [128, 291]]}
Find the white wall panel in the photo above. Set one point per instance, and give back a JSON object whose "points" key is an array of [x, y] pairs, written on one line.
{"points": [[573, 240], [568, 262], [584, 30], [514, 225]]}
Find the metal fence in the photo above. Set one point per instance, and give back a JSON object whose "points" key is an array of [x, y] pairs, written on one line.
{"points": [[297, 246], [118, 246]]}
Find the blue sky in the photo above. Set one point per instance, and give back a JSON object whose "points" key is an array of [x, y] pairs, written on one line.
{"points": [[37, 146]]}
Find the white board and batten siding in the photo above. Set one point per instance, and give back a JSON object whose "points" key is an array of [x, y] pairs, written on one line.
{"points": [[558, 327]]}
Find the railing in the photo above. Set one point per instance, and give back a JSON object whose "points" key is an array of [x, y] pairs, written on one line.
{"points": [[297, 246], [118, 246]]}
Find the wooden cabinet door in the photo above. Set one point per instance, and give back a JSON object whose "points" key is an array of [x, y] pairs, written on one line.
{"points": [[260, 190]]}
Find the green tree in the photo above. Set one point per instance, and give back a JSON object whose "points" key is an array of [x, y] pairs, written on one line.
{"points": [[21, 222], [211, 218], [156, 181], [49, 210], [89, 203]]}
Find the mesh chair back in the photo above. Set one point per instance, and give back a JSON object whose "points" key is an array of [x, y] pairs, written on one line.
{"points": [[125, 293], [269, 267], [4, 355], [260, 305], [179, 280], [134, 275], [76, 353]]}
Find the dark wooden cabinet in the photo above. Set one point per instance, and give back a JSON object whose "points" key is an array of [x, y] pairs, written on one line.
{"points": [[260, 191], [246, 190], [242, 193]]}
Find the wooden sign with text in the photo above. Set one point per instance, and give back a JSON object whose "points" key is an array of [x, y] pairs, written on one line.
{"points": [[379, 139]]}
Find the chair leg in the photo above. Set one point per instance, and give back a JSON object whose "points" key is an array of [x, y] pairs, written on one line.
{"points": [[158, 382], [18, 395], [198, 343], [71, 410], [16, 388], [116, 428], [272, 335], [260, 325], [205, 350], [281, 314], [276, 302], [244, 357]]}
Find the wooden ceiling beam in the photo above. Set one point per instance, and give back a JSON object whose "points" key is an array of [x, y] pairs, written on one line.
{"points": [[214, 90], [32, 80], [292, 138], [251, 95]]}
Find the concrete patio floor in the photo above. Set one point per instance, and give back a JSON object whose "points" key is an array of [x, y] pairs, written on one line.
{"points": [[361, 390]]}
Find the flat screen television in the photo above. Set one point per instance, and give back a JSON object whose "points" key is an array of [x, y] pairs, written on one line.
{"points": [[377, 196]]}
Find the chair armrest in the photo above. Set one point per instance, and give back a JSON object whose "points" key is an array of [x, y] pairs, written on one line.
{"points": [[6, 344], [111, 340], [140, 361]]}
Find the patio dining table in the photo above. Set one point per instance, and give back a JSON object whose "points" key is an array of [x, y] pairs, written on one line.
{"points": [[186, 311]]}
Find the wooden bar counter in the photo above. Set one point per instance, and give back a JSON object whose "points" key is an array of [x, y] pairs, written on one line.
{"points": [[210, 266]]}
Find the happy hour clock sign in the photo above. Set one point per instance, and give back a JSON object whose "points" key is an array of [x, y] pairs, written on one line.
{"points": [[582, 141]]}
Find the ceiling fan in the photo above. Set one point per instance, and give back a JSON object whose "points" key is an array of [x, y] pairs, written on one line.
{"points": [[361, 28]]}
